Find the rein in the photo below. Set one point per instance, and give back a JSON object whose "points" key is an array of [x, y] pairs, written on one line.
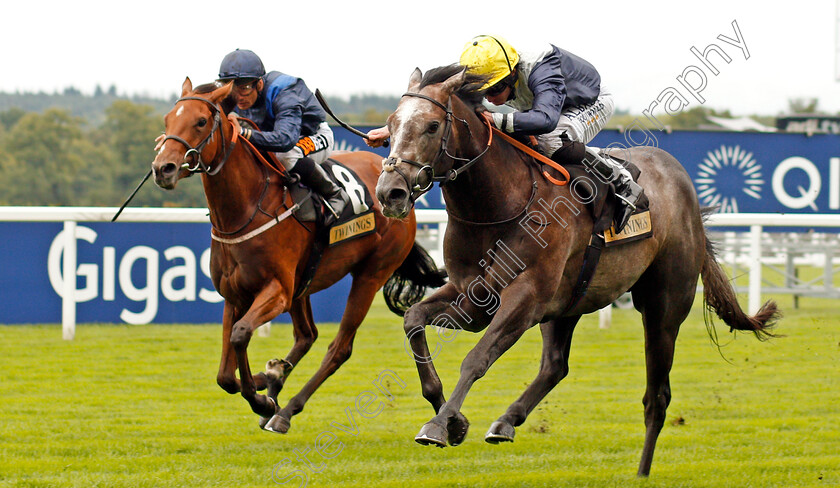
{"points": [[539, 157], [278, 168]]}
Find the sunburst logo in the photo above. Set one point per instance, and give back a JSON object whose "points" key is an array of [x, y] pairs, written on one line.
{"points": [[727, 174]]}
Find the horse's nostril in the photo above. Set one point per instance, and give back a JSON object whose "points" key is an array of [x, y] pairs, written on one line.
{"points": [[397, 195], [169, 169]]}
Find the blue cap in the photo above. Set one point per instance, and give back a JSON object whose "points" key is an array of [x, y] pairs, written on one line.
{"points": [[241, 63]]}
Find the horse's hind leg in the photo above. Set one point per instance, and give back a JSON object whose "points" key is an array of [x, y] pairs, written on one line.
{"points": [[664, 306], [305, 333], [554, 366]]}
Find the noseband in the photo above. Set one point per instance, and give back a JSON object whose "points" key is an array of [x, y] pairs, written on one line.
{"points": [[195, 152], [416, 188]]}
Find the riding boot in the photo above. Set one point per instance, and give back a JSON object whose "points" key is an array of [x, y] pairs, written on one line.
{"points": [[570, 152], [627, 190], [313, 175]]}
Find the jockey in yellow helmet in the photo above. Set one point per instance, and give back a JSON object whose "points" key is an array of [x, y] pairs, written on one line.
{"points": [[557, 97]]}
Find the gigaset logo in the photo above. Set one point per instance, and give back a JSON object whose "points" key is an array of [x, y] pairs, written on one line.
{"points": [[177, 283]]}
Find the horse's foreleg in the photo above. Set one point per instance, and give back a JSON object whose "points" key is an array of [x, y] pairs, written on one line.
{"points": [[362, 292], [305, 333], [226, 378], [270, 302], [416, 319], [515, 315], [554, 366]]}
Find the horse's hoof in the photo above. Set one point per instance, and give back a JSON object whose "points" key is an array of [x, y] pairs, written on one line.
{"points": [[457, 427], [277, 424], [265, 409], [500, 432], [432, 435]]}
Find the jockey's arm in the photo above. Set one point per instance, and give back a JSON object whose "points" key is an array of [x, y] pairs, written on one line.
{"points": [[286, 131], [549, 88]]}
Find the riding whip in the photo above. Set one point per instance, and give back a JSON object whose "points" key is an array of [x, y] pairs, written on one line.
{"points": [[131, 196], [323, 103]]}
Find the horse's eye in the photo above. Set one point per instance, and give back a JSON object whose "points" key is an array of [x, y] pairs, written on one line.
{"points": [[202, 122], [433, 127]]}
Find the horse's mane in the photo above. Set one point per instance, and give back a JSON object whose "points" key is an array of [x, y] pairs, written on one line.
{"points": [[470, 92], [205, 88]]}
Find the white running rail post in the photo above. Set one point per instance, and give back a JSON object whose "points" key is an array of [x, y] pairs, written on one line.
{"points": [[68, 298]]}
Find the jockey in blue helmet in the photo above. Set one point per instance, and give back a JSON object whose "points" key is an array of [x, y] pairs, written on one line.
{"points": [[292, 123]]}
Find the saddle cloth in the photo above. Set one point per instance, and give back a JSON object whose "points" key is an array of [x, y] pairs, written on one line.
{"points": [[357, 218]]}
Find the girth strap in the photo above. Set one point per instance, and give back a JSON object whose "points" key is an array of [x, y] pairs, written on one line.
{"points": [[590, 261]]}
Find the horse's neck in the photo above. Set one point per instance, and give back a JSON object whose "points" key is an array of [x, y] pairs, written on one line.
{"points": [[233, 193], [493, 188]]}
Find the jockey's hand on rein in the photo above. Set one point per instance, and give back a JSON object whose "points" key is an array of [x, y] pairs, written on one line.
{"points": [[487, 116], [234, 120]]}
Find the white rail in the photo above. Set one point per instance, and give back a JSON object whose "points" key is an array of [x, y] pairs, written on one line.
{"points": [[71, 215]]}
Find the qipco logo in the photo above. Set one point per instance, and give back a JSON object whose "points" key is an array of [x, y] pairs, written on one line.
{"points": [[806, 193], [177, 283]]}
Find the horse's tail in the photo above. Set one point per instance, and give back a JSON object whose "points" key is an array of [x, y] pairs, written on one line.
{"points": [[720, 298], [409, 282]]}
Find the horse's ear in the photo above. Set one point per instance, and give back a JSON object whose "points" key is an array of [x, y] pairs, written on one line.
{"points": [[455, 81], [414, 81], [221, 93], [186, 87]]}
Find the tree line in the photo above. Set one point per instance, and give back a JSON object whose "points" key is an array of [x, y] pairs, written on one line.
{"points": [[55, 158], [72, 149]]}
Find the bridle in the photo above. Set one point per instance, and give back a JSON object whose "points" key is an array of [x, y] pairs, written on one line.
{"points": [[417, 188], [195, 152]]}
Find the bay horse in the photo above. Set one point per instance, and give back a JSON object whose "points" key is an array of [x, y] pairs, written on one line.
{"points": [[257, 272], [514, 248]]}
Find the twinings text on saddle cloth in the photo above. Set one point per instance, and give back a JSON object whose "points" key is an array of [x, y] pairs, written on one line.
{"points": [[637, 228], [359, 226]]}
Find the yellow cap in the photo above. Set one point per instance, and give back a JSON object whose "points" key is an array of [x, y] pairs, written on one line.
{"points": [[489, 56]]}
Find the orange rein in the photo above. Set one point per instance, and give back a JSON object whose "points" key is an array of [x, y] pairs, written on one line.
{"points": [[539, 157]]}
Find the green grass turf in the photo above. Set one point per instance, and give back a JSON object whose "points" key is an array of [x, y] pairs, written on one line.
{"points": [[138, 406]]}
